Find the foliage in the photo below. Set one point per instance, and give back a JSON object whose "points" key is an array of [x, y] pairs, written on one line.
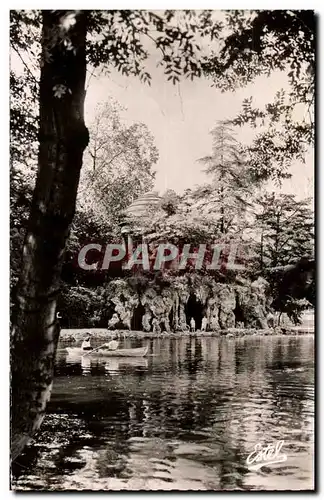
{"points": [[24, 28], [187, 224], [98, 209], [79, 306], [118, 164], [257, 43], [21, 188], [121, 38], [232, 183], [249, 44], [287, 229], [117, 169], [170, 202], [294, 309], [24, 37]]}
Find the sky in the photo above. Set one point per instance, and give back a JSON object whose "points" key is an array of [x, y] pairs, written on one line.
{"points": [[181, 116]]}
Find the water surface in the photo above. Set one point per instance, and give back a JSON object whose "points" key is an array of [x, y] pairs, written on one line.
{"points": [[185, 418]]}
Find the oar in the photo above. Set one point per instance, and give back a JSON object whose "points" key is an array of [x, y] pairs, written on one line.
{"points": [[93, 350]]}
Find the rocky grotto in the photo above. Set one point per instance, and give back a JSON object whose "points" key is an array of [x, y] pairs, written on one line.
{"points": [[169, 305], [166, 300]]}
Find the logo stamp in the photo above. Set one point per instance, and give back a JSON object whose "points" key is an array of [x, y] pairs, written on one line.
{"points": [[270, 454]]}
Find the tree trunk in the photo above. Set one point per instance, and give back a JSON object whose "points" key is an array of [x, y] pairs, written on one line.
{"points": [[276, 253], [261, 251], [62, 140], [222, 211], [222, 221]]}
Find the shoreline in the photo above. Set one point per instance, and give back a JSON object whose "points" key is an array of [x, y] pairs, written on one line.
{"points": [[78, 334]]}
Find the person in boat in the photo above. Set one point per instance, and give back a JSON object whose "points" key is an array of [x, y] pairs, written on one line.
{"points": [[86, 344], [111, 346]]}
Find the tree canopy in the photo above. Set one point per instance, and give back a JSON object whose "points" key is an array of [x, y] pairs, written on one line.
{"points": [[243, 45], [257, 44]]}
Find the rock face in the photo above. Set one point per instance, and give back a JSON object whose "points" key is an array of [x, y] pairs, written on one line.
{"points": [[227, 303], [125, 300], [170, 305], [252, 303]]}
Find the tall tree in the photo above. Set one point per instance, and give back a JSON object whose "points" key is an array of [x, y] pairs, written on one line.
{"points": [[232, 182], [118, 163], [286, 227], [63, 138]]}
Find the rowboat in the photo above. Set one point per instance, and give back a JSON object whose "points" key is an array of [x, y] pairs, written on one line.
{"points": [[137, 352]]}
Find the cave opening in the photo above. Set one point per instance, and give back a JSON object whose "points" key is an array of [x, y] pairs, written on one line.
{"points": [[136, 323], [171, 319], [239, 315], [194, 309]]}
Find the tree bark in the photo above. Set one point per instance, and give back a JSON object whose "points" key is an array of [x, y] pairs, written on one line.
{"points": [[62, 140], [261, 251]]}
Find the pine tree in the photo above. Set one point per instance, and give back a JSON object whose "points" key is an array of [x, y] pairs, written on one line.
{"points": [[232, 184], [287, 229]]}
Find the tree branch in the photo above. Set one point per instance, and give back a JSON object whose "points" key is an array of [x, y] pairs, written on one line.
{"points": [[24, 63]]}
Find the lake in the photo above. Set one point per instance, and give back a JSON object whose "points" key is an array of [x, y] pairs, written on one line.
{"points": [[184, 418]]}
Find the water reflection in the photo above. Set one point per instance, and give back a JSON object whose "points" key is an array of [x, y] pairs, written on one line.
{"points": [[184, 418], [110, 365]]}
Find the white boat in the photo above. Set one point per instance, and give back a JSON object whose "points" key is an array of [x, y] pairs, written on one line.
{"points": [[137, 352]]}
